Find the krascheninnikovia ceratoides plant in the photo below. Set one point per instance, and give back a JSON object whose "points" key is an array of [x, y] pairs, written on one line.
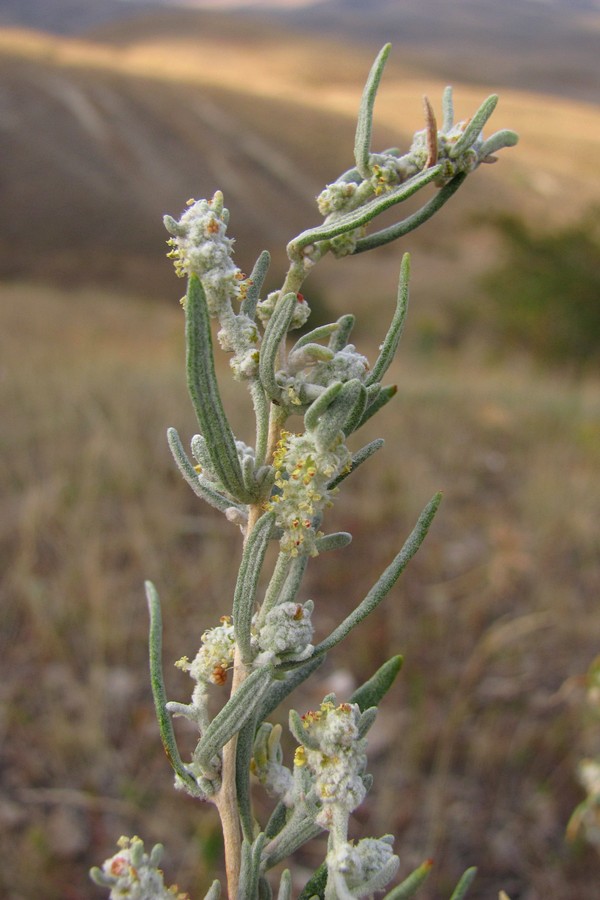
{"points": [[585, 820], [279, 490]]}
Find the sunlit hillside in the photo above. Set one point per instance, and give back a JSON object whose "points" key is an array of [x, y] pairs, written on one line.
{"points": [[100, 138]]}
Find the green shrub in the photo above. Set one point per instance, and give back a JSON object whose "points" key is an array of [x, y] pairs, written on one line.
{"points": [[546, 293]]}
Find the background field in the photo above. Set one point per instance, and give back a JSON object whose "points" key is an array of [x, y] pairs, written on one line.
{"points": [[475, 753]]}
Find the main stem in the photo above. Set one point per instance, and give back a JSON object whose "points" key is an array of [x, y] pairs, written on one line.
{"points": [[226, 799]]}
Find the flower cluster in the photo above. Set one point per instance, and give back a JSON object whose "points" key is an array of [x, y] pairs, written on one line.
{"points": [[302, 475], [358, 870], [314, 366], [239, 335], [215, 656], [335, 755], [200, 246], [266, 307], [133, 874], [454, 149], [286, 634]]}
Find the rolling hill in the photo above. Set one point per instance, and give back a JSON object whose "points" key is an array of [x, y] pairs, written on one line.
{"points": [[101, 136], [551, 46]]}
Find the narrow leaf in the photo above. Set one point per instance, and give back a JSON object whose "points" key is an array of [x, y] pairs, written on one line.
{"points": [[243, 757], [372, 691], [337, 540], [257, 278], [392, 338], [366, 721], [387, 580], [410, 223], [357, 412], [257, 849], [498, 141], [358, 459], [275, 586], [300, 733], [261, 412], [265, 891], [474, 127], [447, 109], [277, 820], [247, 582], [317, 334], [159, 693], [320, 406], [294, 577], [285, 886], [464, 884], [198, 484], [362, 142], [204, 392], [338, 414], [383, 397], [315, 887], [409, 887], [299, 829], [295, 674], [232, 717], [248, 881], [275, 332], [339, 338]]}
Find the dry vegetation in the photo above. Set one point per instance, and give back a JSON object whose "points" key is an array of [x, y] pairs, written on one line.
{"points": [[476, 750], [475, 757]]}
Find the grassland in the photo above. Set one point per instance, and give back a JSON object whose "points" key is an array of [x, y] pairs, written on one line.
{"points": [[476, 751]]}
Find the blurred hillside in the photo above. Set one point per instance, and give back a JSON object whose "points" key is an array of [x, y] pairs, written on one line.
{"points": [[551, 46], [544, 45], [67, 16], [101, 133], [101, 136]]}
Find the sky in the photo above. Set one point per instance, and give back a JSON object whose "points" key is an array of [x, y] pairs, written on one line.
{"points": [[224, 4]]}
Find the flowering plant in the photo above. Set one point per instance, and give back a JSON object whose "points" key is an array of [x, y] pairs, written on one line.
{"points": [[278, 491], [585, 821]]}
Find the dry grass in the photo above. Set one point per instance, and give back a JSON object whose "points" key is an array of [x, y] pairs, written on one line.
{"points": [[475, 753]]}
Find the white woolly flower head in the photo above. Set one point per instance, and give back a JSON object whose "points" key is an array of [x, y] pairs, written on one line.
{"points": [[287, 633], [200, 246], [133, 874], [336, 197], [344, 365], [364, 867], [302, 475], [335, 755], [313, 367], [300, 316], [215, 656]]}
